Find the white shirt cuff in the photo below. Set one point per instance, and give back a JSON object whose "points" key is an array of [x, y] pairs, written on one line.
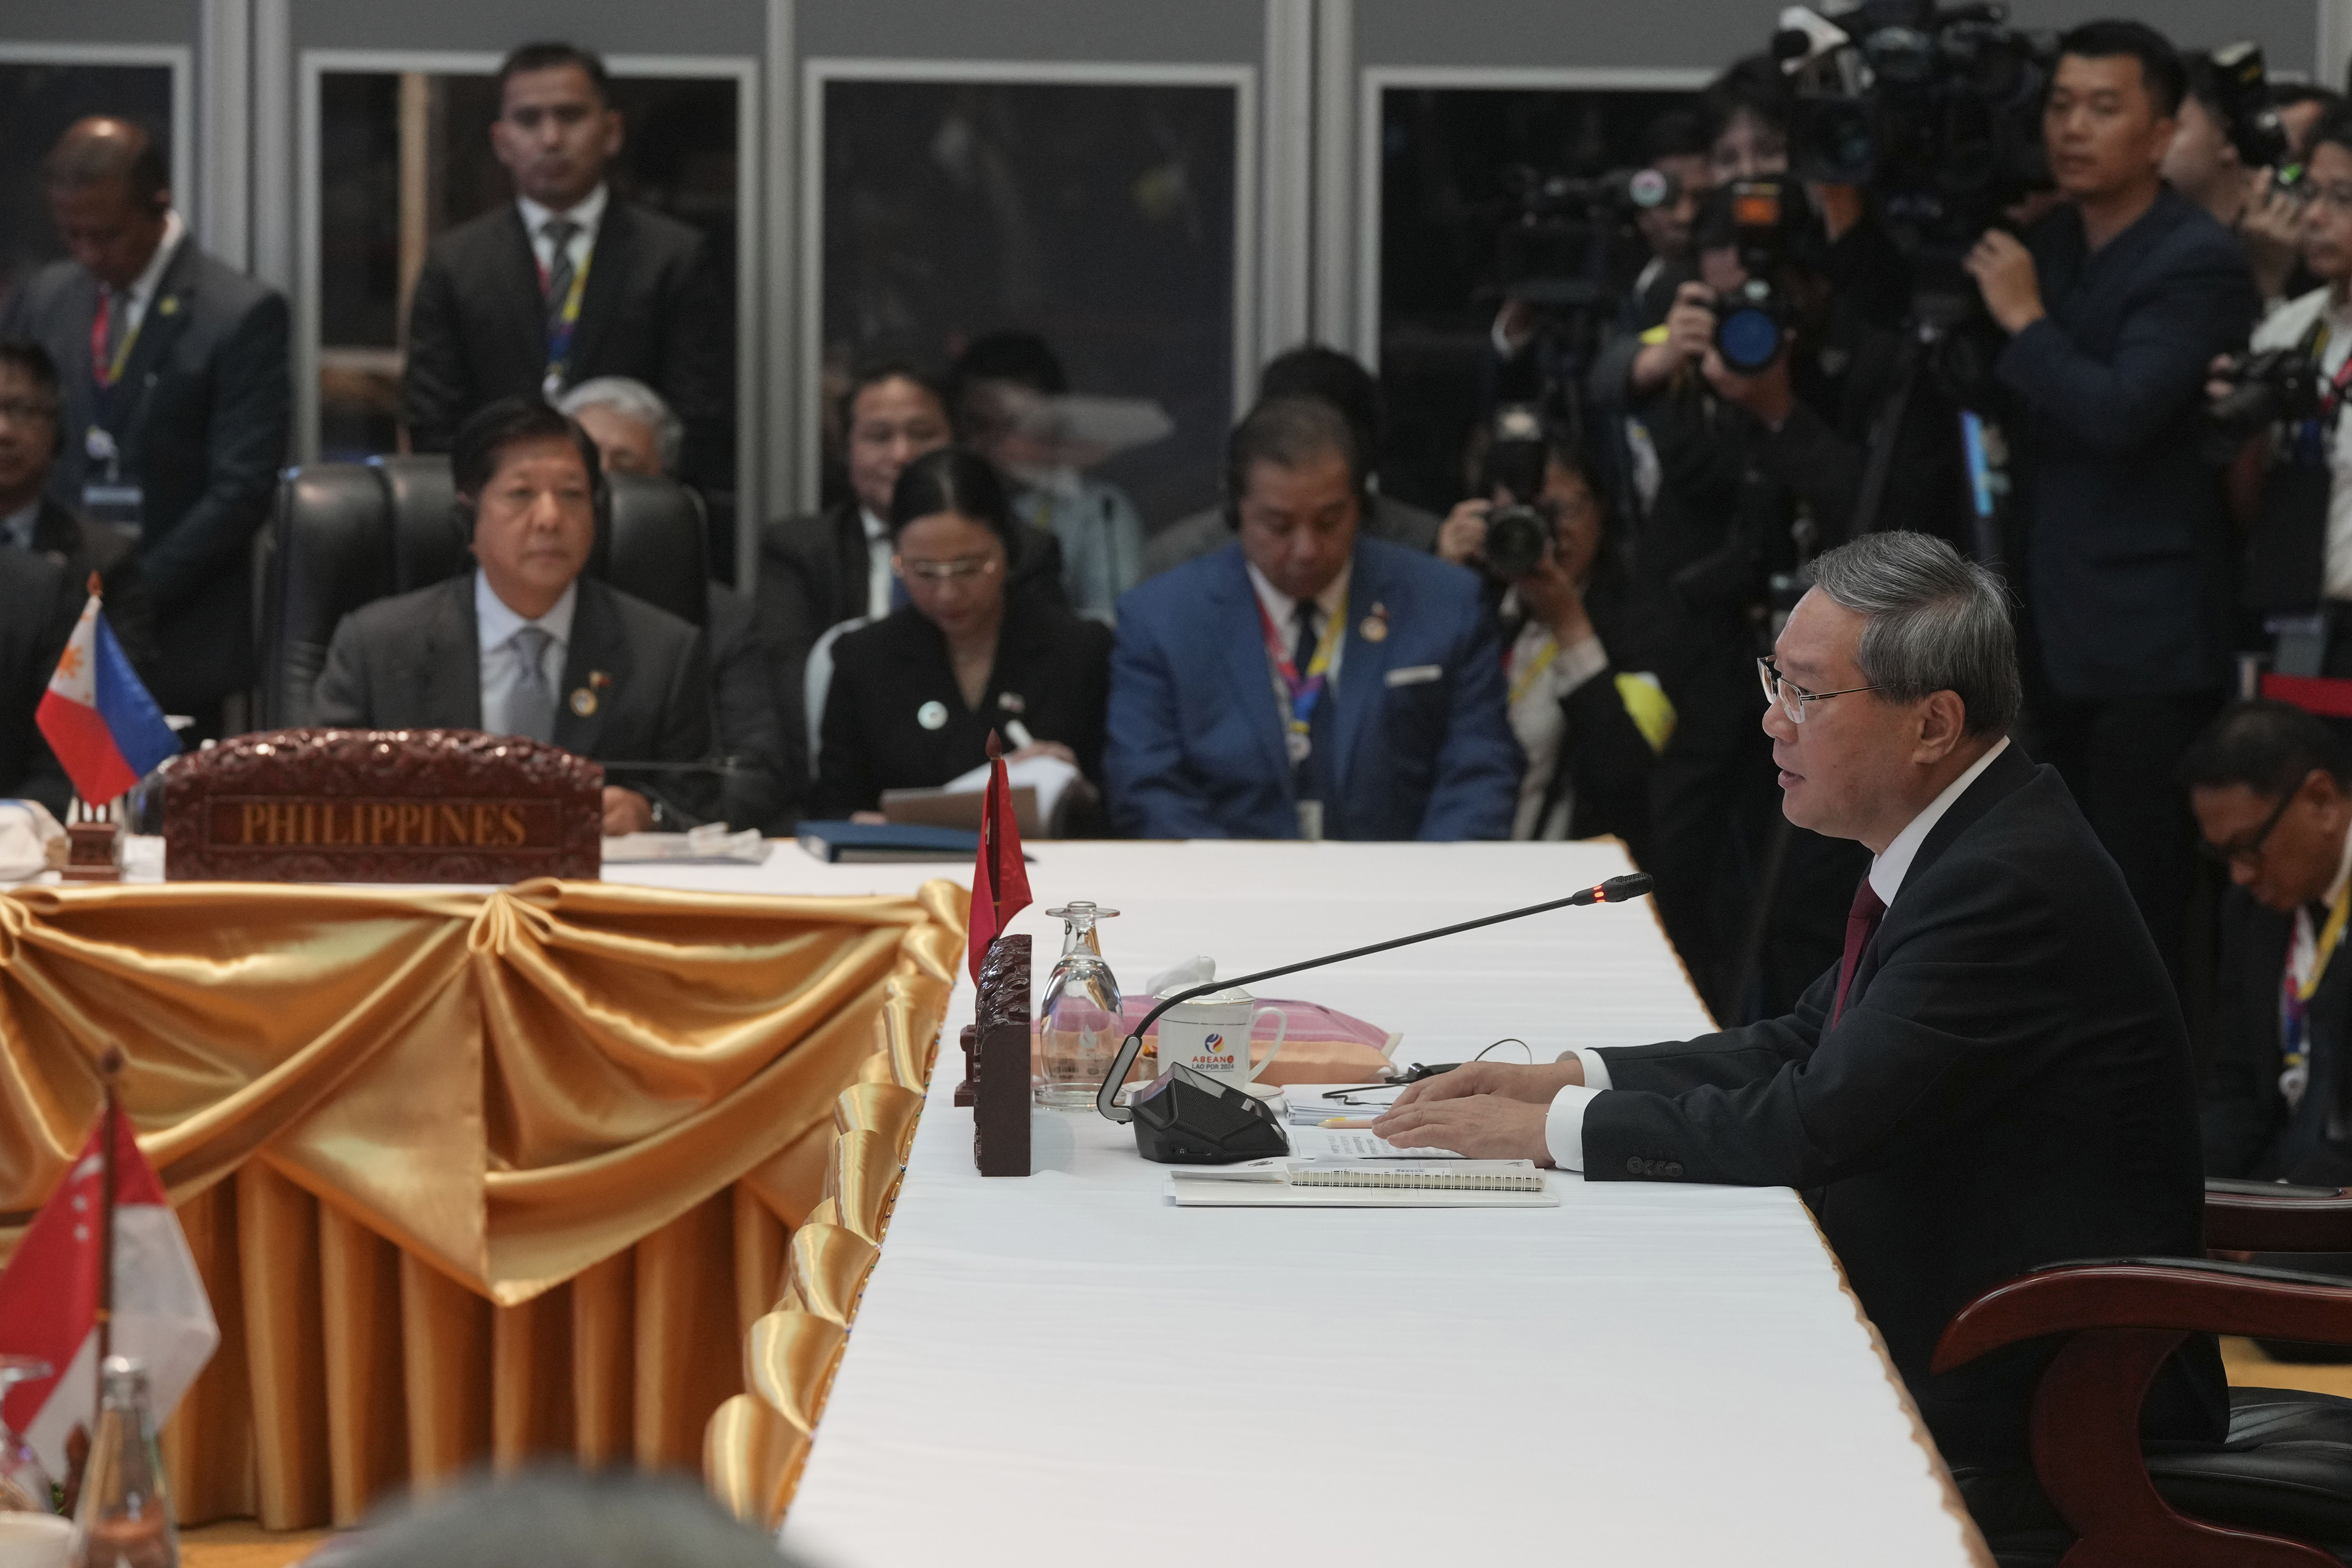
{"points": [[1596, 1070], [1576, 664], [1564, 1125]]}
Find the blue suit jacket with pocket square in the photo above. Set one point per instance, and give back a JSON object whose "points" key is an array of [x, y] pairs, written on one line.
{"points": [[1422, 747]]}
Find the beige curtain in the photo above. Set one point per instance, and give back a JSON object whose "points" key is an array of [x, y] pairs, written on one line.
{"points": [[469, 1176]]}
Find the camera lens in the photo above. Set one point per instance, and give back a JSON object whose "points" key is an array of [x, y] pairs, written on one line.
{"points": [[1516, 537], [1749, 338]]}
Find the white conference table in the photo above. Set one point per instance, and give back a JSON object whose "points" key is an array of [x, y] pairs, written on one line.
{"points": [[1066, 1369]]}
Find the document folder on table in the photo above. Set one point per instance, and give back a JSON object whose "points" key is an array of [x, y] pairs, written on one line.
{"points": [[1363, 1184], [842, 842]]}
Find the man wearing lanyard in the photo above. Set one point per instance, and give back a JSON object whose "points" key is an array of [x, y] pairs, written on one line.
{"points": [[2272, 787], [174, 404], [568, 282], [1305, 682]]}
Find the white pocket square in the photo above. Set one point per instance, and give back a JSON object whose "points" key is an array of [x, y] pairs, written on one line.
{"points": [[1415, 674]]}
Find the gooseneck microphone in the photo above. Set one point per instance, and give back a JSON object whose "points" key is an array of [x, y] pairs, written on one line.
{"points": [[1187, 1118]]}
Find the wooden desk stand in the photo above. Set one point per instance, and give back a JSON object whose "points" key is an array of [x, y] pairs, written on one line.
{"points": [[1000, 1113]]}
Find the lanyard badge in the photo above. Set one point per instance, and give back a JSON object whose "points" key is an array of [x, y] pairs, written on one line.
{"points": [[1299, 693]]}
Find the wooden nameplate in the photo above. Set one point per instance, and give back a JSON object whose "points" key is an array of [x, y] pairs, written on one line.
{"points": [[1000, 1112], [381, 805]]}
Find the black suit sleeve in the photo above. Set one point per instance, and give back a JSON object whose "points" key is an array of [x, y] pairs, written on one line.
{"points": [[341, 699], [768, 757], [2241, 1103], [244, 446], [435, 391], [695, 354], [844, 772], [1609, 760], [1930, 1047], [686, 734]]}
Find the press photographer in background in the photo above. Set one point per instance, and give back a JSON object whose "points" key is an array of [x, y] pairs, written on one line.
{"points": [[2114, 305], [1537, 529], [2231, 156], [1762, 425], [2278, 409]]}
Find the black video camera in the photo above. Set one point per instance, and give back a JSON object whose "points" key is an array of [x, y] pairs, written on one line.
{"points": [[1562, 234], [2241, 84], [1935, 110], [1752, 320]]}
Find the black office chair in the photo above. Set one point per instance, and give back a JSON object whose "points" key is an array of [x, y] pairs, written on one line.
{"points": [[2276, 1494], [346, 534]]}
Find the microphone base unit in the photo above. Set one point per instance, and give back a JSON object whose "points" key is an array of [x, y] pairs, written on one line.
{"points": [[1187, 1118]]}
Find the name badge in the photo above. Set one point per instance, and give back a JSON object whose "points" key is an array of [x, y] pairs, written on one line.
{"points": [[120, 507]]}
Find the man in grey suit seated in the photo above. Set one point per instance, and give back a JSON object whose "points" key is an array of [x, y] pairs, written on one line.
{"points": [[526, 644]]}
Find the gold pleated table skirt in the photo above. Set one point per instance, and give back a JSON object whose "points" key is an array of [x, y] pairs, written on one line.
{"points": [[474, 1176]]}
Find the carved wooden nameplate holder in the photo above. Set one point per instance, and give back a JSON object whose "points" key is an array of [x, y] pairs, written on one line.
{"points": [[381, 805], [1000, 1059]]}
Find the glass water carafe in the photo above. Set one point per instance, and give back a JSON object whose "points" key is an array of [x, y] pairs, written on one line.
{"points": [[1079, 1012], [24, 1485], [125, 1517]]}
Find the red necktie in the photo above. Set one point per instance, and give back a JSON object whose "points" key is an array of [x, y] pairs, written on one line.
{"points": [[1860, 925]]}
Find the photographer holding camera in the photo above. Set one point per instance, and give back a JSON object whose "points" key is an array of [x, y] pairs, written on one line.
{"points": [[2114, 305], [2293, 487], [1538, 525], [2225, 157]]}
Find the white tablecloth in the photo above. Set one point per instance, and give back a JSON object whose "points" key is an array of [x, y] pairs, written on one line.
{"points": [[1067, 1370]]}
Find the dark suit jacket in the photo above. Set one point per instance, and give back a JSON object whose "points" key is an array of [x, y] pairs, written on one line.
{"points": [[1206, 533], [1052, 672], [2249, 1131], [1424, 749], [764, 789], [74, 542], [2010, 1087], [39, 606], [201, 415], [650, 309], [2127, 546], [813, 576], [413, 662]]}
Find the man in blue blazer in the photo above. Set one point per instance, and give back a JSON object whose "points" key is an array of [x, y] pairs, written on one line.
{"points": [[1305, 681]]}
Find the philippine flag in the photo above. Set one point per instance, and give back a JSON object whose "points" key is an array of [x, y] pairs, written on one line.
{"points": [[49, 1297], [106, 732]]}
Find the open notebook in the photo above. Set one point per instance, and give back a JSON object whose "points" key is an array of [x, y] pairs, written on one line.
{"points": [[1364, 1183]]}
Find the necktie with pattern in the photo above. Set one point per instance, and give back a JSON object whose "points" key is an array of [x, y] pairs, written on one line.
{"points": [[531, 706], [558, 232], [1860, 925]]}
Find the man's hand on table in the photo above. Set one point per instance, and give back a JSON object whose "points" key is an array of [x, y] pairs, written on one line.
{"points": [[1481, 1110], [625, 811]]}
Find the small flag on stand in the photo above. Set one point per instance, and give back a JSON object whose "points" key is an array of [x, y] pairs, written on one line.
{"points": [[106, 733], [1000, 879], [59, 1301]]}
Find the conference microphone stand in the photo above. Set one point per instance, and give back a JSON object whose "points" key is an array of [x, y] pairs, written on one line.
{"points": [[1615, 890]]}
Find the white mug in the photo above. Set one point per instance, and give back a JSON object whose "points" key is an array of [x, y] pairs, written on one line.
{"points": [[1211, 1035], [35, 1541]]}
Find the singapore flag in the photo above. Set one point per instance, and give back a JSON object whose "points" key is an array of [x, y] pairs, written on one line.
{"points": [[49, 1297]]}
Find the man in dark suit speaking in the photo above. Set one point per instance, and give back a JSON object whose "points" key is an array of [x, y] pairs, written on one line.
{"points": [[172, 406], [526, 644], [1994, 1077], [566, 282]]}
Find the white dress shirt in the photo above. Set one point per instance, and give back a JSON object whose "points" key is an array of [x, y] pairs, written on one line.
{"points": [[16, 528], [502, 662], [1283, 611], [587, 216], [144, 288], [1541, 724], [1564, 1122], [878, 564]]}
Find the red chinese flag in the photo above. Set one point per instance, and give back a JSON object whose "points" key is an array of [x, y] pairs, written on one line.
{"points": [[1000, 879]]}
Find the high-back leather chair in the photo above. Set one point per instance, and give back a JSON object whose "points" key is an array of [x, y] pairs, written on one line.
{"points": [[346, 534]]}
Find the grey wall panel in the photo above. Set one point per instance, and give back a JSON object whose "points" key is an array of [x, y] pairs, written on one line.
{"points": [[114, 22], [668, 28], [1630, 34], [1188, 30]]}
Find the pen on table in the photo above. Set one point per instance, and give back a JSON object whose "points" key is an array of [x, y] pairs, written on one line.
{"points": [[1350, 1122]]}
